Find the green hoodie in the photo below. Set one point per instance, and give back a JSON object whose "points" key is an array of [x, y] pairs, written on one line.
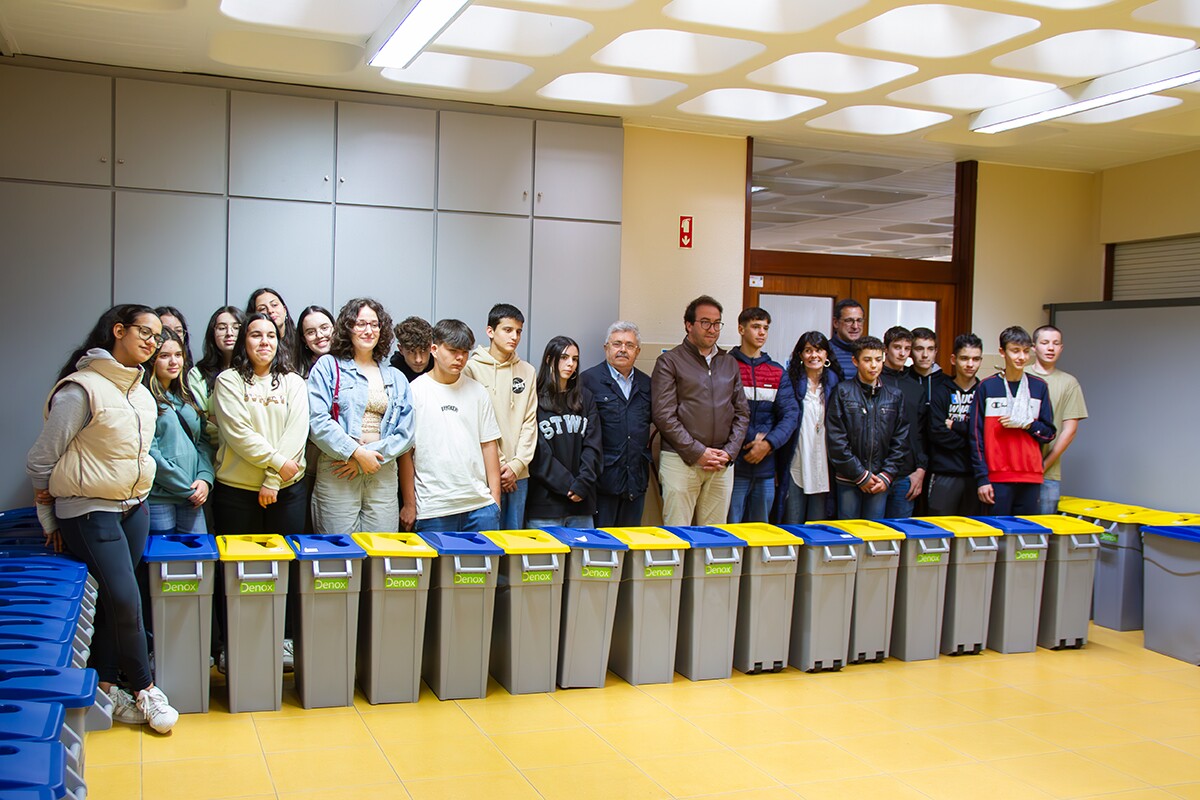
{"points": [[512, 386]]}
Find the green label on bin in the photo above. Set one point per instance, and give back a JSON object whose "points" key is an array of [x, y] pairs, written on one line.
{"points": [[181, 587], [929, 558], [1027, 555], [257, 587], [539, 576], [1109, 537], [718, 569], [331, 584], [595, 572], [392, 582], [660, 572], [469, 580]]}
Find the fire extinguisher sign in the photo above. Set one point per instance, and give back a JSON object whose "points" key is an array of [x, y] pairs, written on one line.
{"points": [[685, 232]]}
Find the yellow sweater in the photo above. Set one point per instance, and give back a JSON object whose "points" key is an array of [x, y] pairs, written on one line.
{"points": [[260, 427]]}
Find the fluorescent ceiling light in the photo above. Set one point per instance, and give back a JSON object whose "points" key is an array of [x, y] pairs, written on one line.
{"points": [[936, 30], [1157, 76], [836, 73], [409, 29], [750, 105], [877, 120], [1086, 54], [461, 72], [608, 89], [677, 52], [522, 34]]}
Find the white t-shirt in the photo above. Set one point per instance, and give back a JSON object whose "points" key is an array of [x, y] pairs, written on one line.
{"points": [[452, 421], [810, 465]]}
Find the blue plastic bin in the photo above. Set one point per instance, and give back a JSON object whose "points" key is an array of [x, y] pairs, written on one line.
{"points": [[920, 589], [77, 690], [1017, 584], [45, 654], [824, 599], [1171, 559], [33, 766], [40, 722], [708, 602]]}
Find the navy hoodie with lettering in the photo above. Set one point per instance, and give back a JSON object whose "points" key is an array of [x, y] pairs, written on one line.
{"points": [[567, 459]]}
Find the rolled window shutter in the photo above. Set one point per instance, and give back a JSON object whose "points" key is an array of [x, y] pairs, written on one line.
{"points": [[1163, 268]]}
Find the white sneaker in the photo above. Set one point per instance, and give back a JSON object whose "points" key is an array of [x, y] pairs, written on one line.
{"points": [[125, 708], [289, 655], [157, 710]]}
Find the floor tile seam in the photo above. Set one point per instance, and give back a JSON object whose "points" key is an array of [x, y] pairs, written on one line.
{"points": [[1082, 753], [798, 788], [1076, 752], [899, 777], [375, 744], [947, 745]]}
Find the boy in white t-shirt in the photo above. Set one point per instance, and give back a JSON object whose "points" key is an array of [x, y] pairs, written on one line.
{"points": [[453, 478]]}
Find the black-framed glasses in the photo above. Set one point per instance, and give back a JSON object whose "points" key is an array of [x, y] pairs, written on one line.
{"points": [[710, 325], [321, 330], [365, 325], [147, 334]]}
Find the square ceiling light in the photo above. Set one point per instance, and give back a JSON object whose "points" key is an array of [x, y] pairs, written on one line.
{"points": [[1124, 110], [344, 18], [1084, 54], [936, 30], [464, 73], [763, 16], [877, 120], [501, 31], [607, 89], [752, 105], [676, 52], [967, 92], [1170, 12], [835, 73]]}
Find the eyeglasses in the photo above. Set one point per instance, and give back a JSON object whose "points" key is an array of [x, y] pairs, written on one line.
{"points": [[710, 325], [622, 346], [365, 325], [147, 334], [227, 327], [321, 330], [853, 322]]}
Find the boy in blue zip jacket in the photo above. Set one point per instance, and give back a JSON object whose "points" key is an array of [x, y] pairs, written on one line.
{"points": [[774, 413]]}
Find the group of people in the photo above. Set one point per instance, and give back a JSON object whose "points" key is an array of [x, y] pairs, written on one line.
{"points": [[314, 424]]}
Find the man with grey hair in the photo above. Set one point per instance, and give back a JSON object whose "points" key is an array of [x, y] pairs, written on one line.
{"points": [[622, 394]]}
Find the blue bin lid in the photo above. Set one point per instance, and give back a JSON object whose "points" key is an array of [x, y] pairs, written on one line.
{"points": [[55, 570], [46, 654], [1011, 525], [74, 688], [586, 539], [16, 548], [40, 587], [20, 537], [35, 722], [38, 629], [30, 765], [324, 546], [821, 535], [181, 547], [1185, 533], [706, 536], [462, 543], [917, 528], [53, 608]]}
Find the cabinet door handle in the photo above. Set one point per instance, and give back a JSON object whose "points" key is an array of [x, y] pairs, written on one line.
{"points": [[525, 195], [103, 159], [539, 197], [120, 161], [327, 179], [341, 180]]}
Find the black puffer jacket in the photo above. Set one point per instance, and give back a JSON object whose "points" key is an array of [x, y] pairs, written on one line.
{"points": [[866, 432]]}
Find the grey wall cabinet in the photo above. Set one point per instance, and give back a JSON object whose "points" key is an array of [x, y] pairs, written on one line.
{"points": [[281, 147], [385, 253], [577, 170], [170, 136], [386, 156], [287, 246], [55, 126], [485, 163]]}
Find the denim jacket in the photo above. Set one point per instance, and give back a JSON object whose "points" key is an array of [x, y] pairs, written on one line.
{"points": [[341, 438]]}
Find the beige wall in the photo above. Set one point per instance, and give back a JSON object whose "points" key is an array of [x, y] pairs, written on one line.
{"points": [[667, 175], [1151, 200], [1035, 243]]}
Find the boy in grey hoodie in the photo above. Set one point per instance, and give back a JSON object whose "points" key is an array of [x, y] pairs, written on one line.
{"points": [[512, 384]]}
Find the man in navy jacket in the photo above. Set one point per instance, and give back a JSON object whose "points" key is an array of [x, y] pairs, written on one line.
{"points": [[622, 395]]}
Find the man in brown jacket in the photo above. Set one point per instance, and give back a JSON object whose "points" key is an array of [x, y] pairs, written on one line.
{"points": [[699, 407]]}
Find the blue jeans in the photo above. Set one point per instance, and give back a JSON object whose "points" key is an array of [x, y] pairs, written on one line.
{"points": [[481, 519], [854, 503], [614, 511], [751, 500], [898, 507], [512, 507], [176, 518], [801, 508], [573, 521], [1048, 498], [1014, 498]]}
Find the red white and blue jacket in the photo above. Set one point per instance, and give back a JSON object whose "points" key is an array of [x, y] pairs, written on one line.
{"points": [[1008, 455], [773, 410]]}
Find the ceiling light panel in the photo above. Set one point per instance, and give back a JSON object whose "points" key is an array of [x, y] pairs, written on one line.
{"points": [[344, 18], [968, 92], [762, 16], [501, 31], [877, 120], [464, 73], [835, 73], [752, 105], [1130, 108], [1065, 5], [676, 52], [1170, 12], [605, 89], [582, 5], [1084, 54], [936, 30]]}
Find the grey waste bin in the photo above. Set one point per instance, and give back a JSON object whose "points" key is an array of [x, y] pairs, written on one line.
{"points": [[920, 589], [874, 588], [1117, 591], [824, 598], [973, 551], [768, 596], [1017, 587], [708, 602], [182, 575], [1067, 591], [1173, 591]]}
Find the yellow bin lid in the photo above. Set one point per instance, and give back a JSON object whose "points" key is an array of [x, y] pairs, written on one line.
{"points": [[526, 543], [760, 534], [965, 527], [394, 545], [1062, 526], [1084, 506], [646, 538], [1118, 512], [255, 547], [866, 529]]}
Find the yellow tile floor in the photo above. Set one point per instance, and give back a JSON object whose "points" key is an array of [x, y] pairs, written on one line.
{"points": [[1112, 720]]}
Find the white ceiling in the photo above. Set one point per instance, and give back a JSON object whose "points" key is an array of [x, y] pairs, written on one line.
{"points": [[803, 73]]}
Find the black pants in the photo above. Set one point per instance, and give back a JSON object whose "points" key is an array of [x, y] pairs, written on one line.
{"points": [[1014, 498], [237, 510], [111, 544], [616, 511], [952, 496]]}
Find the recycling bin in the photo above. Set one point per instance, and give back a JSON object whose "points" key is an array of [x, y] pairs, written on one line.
{"points": [[327, 574], [391, 617], [973, 551], [920, 589], [46, 654], [458, 620], [708, 602], [183, 573], [1087, 509], [1172, 560], [255, 569], [824, 597], [53, 568], [646, 628], [42, 722], [764, 615], [1070, 570], [874, 588], [34, 769], [592, 581], [1117, 591], [528, 616], [1017, 585], [85, 707]]}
